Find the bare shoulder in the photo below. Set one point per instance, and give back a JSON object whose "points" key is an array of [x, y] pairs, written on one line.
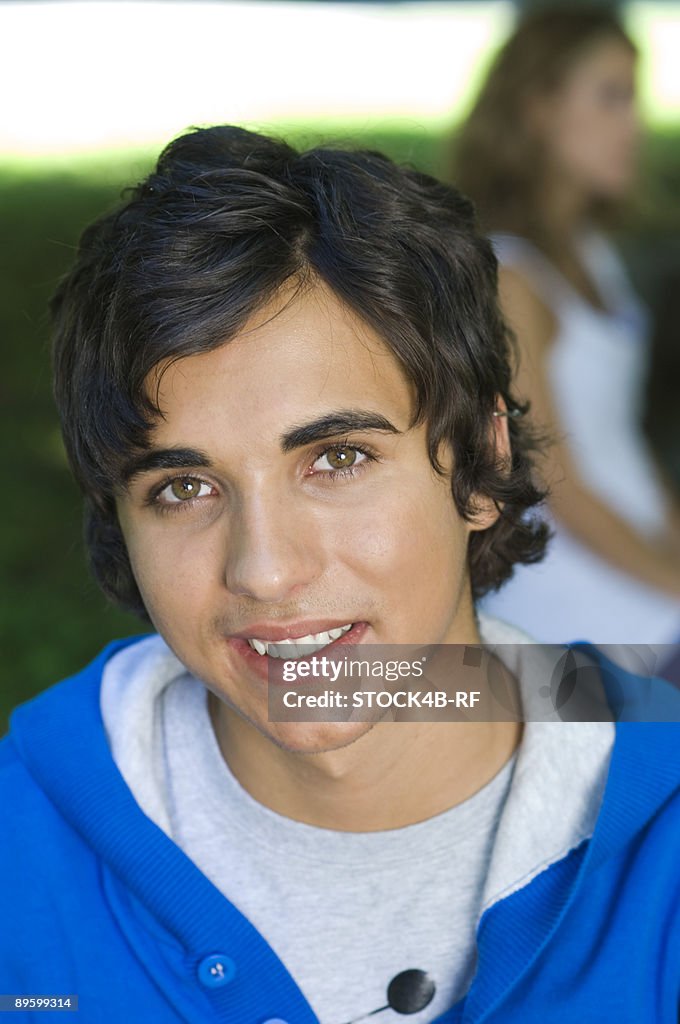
{"points": [[529, 316]]}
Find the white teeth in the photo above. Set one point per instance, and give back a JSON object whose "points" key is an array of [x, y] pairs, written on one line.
{"points": [[299, 646]]}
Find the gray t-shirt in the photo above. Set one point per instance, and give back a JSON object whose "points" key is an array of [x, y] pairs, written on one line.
{"points": [[345, 911]]}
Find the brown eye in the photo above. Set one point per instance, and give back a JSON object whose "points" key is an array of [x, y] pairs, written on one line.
{"points": [[183, 489], [341, 458]]}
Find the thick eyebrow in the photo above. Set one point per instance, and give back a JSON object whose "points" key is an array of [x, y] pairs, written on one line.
{"points": [[164, 458], [344, 421], [331, 425]]}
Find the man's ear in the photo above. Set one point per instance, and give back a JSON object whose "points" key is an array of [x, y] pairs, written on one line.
{"points": [[489, 510], [501, 432]]}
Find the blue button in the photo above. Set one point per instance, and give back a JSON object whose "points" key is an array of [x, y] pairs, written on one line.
{"points": [[274, 1020], [216, 970]]}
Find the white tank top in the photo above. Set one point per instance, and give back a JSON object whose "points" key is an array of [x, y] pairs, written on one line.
{"points": [[596, 366]]}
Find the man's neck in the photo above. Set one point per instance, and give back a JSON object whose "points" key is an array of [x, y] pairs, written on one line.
{"points": [[394, 775]]}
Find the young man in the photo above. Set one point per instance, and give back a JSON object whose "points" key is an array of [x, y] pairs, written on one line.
{"points": [[285, 391]]}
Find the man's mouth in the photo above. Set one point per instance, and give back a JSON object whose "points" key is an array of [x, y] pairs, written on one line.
{"points": [[298, 646]]}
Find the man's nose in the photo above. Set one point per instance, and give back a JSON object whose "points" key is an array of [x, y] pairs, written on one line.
{"points": [[273, 549]]}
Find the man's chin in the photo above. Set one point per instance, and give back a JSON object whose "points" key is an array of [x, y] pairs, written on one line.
{"points": [[313, 737], [294, 737]]}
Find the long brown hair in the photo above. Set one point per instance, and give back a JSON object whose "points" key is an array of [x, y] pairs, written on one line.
{"points": [[497, 159]]}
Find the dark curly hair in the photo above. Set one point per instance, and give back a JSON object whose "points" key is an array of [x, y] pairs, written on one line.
{"points": [[226, 218]]}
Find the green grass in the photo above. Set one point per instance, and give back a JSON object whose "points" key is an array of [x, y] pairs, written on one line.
{"points": [[52, 618]]}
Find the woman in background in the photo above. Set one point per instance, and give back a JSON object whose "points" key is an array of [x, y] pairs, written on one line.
{"points": [[549, 149]]}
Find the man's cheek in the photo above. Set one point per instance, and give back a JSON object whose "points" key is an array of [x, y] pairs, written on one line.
{"points": [[159, 580], [371, 546]]}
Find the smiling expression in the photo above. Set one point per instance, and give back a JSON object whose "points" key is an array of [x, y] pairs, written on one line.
{"points": [[286, 494]]}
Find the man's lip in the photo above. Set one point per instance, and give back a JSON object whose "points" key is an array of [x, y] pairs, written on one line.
{"points": [[271, 633]]}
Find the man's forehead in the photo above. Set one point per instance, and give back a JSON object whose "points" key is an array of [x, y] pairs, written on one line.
{"points": [[302, 355]]}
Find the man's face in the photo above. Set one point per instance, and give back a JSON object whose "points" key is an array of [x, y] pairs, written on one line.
{"points": [[300, 504]]}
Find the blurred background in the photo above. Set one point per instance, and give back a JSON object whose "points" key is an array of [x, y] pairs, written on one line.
{"points": [[91, 92]]}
